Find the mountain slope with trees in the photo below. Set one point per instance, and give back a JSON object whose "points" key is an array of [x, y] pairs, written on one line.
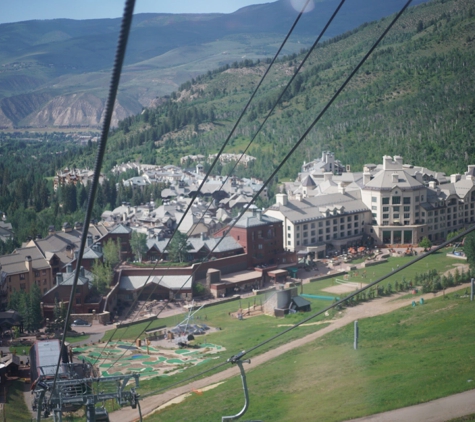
{"points": [[413, 97], [52, 66]]}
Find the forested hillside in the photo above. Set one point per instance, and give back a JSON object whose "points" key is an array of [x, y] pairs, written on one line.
{"points": [[413, 97]]}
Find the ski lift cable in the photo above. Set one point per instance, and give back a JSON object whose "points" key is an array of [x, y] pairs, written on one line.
{"points": [[114, 85], [209, 172], [301, 139]]}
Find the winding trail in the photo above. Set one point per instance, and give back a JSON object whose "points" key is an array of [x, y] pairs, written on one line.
{"points": [[369, 309]]}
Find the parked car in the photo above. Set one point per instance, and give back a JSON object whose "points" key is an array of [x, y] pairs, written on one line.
{"points": [[80, 323]]}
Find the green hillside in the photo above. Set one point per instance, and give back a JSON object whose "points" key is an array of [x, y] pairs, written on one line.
{"points": [[413, 97], [54, 59]]}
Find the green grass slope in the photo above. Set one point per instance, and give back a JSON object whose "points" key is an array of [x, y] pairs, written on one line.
{"points": [[407, 357]]}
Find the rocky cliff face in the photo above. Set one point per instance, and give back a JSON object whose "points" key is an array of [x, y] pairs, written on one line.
{"points": [[83, 109]]}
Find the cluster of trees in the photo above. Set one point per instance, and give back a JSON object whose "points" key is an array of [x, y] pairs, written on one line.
{"points": [[103, 272], [28, 305]]}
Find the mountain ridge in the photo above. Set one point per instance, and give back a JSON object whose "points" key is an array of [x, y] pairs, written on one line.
{"points": [[71, 57]]}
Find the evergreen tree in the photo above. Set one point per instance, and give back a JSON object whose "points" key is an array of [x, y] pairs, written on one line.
{"points": [[35, 307]]}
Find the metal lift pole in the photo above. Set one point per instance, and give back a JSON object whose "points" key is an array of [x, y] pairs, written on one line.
{"points": [[236, 359]]}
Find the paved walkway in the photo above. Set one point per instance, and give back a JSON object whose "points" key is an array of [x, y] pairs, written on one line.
{"points": [[376, 307], [440, 410]]}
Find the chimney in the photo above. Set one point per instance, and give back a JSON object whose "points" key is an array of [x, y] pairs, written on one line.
{"points": [[432, 184], [259, 214], [28, 263], [89, 240], [327, 176], [395, 177], [81, 271], [386, 162], [398, 159], [454, 178], [341, 188], [281, 199], [366, 178]]}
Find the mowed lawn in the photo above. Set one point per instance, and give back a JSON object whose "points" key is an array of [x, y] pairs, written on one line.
{"points": [[438, 261], [407, 357]]}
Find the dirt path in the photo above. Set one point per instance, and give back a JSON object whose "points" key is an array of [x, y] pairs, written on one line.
{"points": [[376, 307]]}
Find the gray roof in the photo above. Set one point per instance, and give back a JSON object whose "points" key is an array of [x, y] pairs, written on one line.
{"points": [[251, 219], [14, 263], [172, 282], [300, 301], [317, 207], [121, 229], [383, 180]]}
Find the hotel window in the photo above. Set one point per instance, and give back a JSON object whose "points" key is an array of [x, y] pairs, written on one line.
{"points": [[385, 201], [407, 209], [396, 200], [407, 215], [385, 209], [374, 208], [312, 225], [374, 199], [395, 215], [385, 215], [406, 200], [348, 218], [396, 209]]}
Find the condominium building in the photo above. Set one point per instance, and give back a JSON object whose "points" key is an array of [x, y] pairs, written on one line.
{"points": [[393, 203]]}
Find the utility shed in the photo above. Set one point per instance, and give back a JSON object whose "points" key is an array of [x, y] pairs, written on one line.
{"points": [[278, 276], [44, 357], [300, 304]]}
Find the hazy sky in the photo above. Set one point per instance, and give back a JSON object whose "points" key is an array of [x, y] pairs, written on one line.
{"points": [[22, 10]]}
